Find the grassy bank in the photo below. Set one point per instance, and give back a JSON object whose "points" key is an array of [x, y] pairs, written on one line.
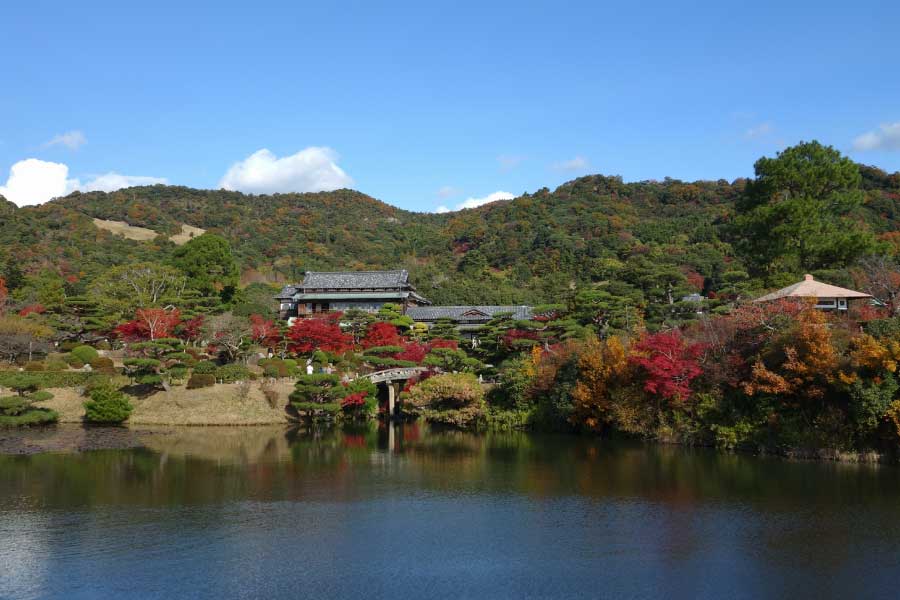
{"points": [[222, 404]]}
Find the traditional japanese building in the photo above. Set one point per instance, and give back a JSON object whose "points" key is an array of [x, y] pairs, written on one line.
{"points": [[466, 318], [323, 291], [826, 297]]}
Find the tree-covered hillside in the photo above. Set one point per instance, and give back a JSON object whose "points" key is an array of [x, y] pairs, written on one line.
{"points": [[647, 244]]}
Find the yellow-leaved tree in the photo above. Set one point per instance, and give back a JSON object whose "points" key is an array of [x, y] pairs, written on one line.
{"points": [[802, 365], [600, 365]]}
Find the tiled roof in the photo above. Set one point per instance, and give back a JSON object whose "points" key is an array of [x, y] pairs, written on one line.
{"points": [[286, 292], [301, 297], [810, 288], [355, 279], [466, 313]]}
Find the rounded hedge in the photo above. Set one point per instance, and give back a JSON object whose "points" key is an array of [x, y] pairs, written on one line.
{"points": [[201, 380], [205, 367], [101, 363], [232, 373], [84, 354]]}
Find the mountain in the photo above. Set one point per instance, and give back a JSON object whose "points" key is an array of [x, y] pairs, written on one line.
{"points": [[655, 240]]}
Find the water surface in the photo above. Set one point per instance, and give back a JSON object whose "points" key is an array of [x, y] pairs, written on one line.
{"points": [[279, 513]]}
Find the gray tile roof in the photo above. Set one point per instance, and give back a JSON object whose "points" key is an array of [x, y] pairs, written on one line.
{"points": [[466, 313], [355, 279], [286, 292]]}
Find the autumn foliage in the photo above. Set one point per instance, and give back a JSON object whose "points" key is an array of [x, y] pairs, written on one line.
{"points": [[149, 324], [668, 364], [318, 333], [601, 366], [381, 334], [264, 331], [801, 365]]}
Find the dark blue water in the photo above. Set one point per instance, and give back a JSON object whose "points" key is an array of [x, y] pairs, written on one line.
{"points": [[271, 513]]}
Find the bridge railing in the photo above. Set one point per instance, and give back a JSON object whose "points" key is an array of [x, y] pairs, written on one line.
{"points": [[394, 374]]}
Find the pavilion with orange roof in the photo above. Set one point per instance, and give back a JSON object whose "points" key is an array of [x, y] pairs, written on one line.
{"points": [[827, 297]]}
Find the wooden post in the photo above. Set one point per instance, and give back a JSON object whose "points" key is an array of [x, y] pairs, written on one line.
{"points": [[391, 399]]}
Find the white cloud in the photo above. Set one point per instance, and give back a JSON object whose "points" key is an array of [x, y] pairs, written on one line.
{"points": [[758, 131], [579, 163], [476, 202], [72, 140], [112, 181], [32, 181], [886, 137], [312, 169]]}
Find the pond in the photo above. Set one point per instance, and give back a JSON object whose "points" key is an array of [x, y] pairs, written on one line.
{"points": [[407, 512]]}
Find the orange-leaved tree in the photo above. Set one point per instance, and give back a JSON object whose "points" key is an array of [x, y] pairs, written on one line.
{"points": [[802, 364], [600, 366]]}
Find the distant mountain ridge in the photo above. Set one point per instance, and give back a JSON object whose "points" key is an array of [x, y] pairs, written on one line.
{"points": [[590, 230]]}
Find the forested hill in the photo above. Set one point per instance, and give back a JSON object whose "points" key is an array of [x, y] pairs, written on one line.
{"points": [[651, 241]]}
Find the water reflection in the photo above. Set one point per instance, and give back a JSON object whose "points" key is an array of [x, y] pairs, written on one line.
{"points": [[517, 514]]}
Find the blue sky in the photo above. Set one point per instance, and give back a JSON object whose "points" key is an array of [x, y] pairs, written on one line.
{"points": [[429, 104]]}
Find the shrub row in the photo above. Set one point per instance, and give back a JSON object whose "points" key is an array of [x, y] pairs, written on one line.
{"points": [[51, 379]]}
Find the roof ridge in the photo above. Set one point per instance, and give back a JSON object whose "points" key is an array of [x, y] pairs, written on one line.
{"points": [[366, 271]]}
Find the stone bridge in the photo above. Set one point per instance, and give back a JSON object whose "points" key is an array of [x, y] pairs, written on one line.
{"points": [[395, 374], [391, 378]]}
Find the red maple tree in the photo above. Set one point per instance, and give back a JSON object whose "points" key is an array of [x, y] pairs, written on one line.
{"points": [[191, 329], [381, 334], [4, 294], [413, 352], [669, 364], [149, 324], [442, 343], [354, 400], [264, 331], [318, 333]]}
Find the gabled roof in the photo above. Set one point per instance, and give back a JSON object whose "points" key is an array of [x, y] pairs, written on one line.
{"points": [[457, 313], [286, 292], [355, 279], [810, 288]]}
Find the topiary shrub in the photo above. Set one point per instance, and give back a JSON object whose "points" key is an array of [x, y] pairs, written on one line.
{"points": [[16, 411], [40, 396], [232, 373], [177, 373], [14, 405], [34, 366], [315, 395], [103, 364], [56, 363], [359, 399], [455, 399], [201, 380], [107, 406], [35, 416], [74, 362], [205, 367], [144, 371], [103, 345], [22, 383], [84, 354], [389, 363]]}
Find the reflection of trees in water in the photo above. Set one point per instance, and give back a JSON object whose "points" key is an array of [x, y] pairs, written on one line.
{"points": [[203, 465]]}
